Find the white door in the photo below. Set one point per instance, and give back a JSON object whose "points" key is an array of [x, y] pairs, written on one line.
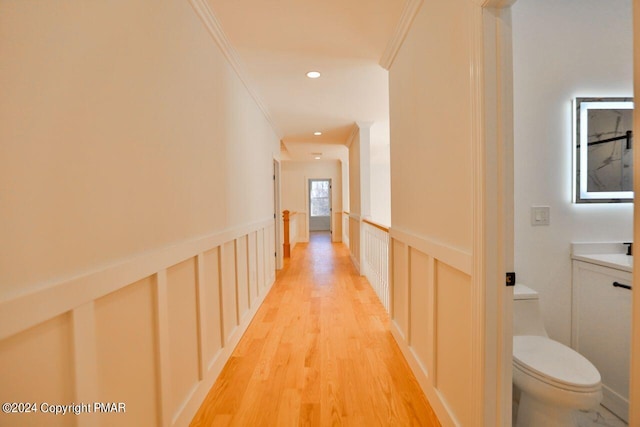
{"points": [[319, 205]]}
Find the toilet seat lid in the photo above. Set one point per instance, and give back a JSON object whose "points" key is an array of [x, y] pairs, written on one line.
{"points": [[554, 363]]}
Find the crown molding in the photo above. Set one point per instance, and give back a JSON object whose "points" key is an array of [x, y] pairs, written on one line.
{"points": [[364, 125], [354, 131], [409, 12], [211, 23]]}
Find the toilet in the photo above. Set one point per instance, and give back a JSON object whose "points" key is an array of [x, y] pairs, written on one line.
{"points": [[553, 380]]}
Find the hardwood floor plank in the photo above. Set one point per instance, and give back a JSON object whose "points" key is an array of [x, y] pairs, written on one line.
{"points": [[319, 352]]}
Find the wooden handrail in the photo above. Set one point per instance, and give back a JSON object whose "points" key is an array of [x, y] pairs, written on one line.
{"points": [[381, 227]]}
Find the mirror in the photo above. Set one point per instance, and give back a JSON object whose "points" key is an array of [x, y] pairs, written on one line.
{"points": [[603, 160]]}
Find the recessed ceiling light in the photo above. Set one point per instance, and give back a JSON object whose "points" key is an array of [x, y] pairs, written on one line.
{"points": [[317, 157], [313, 74], [317, 133]]}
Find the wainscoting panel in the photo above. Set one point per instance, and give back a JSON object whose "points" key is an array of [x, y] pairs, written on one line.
{"points": [[302, 222], [252, 255], [345, 228], [36, 363], [153, 331], [453, 338], [183, 333], [125, 351], [400, 288], [431, 313], [210, 307], [421, 310], [354, 239], [270, 253], [261, 260], [229, 291], [242, 275], [336, 232]]}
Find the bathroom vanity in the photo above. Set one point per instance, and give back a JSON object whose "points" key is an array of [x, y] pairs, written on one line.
{"points": [[601, 316]]}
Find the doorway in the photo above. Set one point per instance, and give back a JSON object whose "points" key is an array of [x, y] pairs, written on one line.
{"points": [[320, 205]]}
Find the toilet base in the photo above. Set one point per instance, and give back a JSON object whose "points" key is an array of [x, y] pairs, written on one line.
{"points": [[533, 413]]}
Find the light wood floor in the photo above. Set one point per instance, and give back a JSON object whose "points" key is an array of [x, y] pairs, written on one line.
{"points": [[318, 352]]}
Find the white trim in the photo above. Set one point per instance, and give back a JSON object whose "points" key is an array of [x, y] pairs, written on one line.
{"points": [[478, 279], [16, 314], [456, 258], [204, 12], [277, 221], [503, 345], [409, 12], [202, 327], [634, 372], [85, 358], [163, 370], [492, 148]]}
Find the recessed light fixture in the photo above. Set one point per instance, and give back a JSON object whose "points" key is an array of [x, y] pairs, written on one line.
{"points": [[317, 157], [313, 74], [317, 133]]}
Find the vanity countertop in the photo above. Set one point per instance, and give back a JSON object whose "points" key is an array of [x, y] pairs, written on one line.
{"points": [[612, 255], [618, 261]]}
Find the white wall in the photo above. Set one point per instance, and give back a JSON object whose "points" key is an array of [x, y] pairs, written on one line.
{"points": [[295, 188], [354, 176], [562, 50], [136, 202], [345, 201], [380, 179], [431, 111]]}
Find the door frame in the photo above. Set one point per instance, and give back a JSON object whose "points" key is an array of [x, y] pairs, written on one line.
{"points": [[277, 215], [634, 386], [308, 191], [493, 234], [497, 99]]}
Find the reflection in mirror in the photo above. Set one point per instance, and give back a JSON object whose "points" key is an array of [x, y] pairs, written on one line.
{"points": [[603, 161]]}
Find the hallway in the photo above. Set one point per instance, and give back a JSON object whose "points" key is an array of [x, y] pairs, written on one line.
{"points": [[318, 352]]}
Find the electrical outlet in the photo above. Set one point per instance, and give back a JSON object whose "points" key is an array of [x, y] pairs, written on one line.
{"points": [[540, 215]]}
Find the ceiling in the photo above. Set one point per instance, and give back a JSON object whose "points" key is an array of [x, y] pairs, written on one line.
{"points": [[278, 41]]}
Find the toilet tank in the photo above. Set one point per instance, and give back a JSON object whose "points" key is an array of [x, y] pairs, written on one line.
{"points": [[526, 312]]}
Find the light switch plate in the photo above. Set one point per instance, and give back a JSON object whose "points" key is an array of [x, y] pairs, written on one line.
{"points": [[540, 215]]}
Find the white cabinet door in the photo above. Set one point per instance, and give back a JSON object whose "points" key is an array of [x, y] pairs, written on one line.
{"points": [[601, 328]]}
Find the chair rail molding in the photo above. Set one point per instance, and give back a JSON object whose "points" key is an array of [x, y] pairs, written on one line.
{"points": [[71, 292]]}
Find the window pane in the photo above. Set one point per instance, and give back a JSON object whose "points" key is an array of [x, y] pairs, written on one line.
{"points": [[320, 206], [319, 189], [319, 195]]}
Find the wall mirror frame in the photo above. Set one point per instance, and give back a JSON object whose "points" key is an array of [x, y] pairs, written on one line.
{"points": [[603, 144]]}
